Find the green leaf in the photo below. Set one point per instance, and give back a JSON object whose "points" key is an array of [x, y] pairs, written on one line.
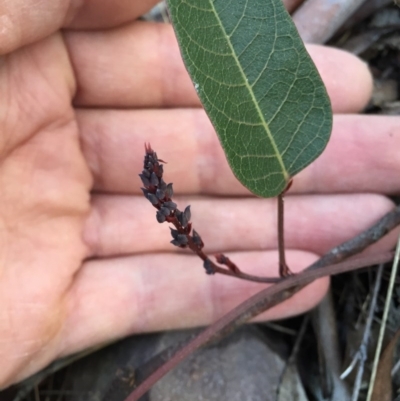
{"points": [[258, 86]]}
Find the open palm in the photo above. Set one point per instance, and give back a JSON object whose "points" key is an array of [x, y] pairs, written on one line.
{"points": [[82, 259]]}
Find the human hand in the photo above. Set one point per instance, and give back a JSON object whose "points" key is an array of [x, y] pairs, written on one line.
{"points": [[83, 260]]}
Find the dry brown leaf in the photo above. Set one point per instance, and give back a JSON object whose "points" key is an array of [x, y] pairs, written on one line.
{"points": [[383, 381]]}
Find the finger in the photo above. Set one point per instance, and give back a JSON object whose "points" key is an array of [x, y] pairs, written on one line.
{"points": [[361, 156], [117, 297], [37, 85], [27, 21], [102, 14], [146, 70], [348, 93], [123, 225]]}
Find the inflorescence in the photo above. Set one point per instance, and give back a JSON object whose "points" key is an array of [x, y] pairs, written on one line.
{"points": [[160, 194]]}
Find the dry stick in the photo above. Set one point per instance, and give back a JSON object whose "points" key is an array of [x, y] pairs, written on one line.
{"points": [[361, 354], [396, 367], [384, 320], [324, 323], [283, 290], [291, 361], [253, 306], [296, 347], [318, 20], [299, 339], [356, 245]]}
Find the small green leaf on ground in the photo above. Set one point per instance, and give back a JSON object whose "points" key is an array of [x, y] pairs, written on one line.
{"points": [[258, 86]]}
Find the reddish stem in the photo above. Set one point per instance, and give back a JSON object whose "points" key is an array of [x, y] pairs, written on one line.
{"points": [[264, 300]]}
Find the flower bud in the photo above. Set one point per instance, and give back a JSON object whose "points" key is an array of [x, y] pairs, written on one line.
{"points": [[165, 211], [197, 239], [221, 258], [160, 193], [183, 217], [160, 217], [154, 179], [152, 198], [180, 240], [187, 213], [162, 185], [208, 266], [169, 192], [145, 180], [170, 205], [174, 233]]}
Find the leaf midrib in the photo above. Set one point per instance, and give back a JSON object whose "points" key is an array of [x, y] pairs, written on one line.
{"points": [[260, 114]]}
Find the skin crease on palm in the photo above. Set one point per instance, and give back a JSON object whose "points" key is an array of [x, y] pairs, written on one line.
{"points": [[82, 258]]}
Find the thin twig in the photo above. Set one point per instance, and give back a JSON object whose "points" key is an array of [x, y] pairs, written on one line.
{"points": [[361, 354], [295, 350], [280, 292], [325, 327], [357, 244], [253, 306], [384, 319], [396, 367], [299, 339], [363, 311]]}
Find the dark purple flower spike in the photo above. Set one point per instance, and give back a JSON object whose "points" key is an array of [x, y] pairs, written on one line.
{"points": [[159, 194]]}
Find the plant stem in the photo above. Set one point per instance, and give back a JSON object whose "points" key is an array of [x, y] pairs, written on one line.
{"points": [[217, 269], [327, 265], [251, 307], [284, 270]]}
